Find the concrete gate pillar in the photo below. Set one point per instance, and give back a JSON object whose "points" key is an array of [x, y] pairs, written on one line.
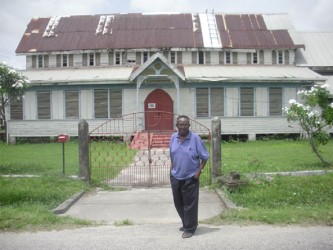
{"points": [[83, 139], [216, 147]]}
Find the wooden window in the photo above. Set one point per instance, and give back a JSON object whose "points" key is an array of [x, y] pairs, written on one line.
{"points": [[221, 57], [44, 105], [273, 57], [72, 104], [97, 59], [34, 61], [248, 58], [58, 60], [115, 103], [16, 108], [179, 57], [111, 58], [246, 101], [216, 102], [118, 58], [286, 57], [91, 59], [275, 101], [227, 57], [194, 57], [71, 60], [280, 54], [40, 61], [261, 57], [101, 103], [46, 61], [173, 57], [201, 58], [210, 102], [84, 59], [108, 103], [138, 57], [234, 57], [255, 58], [64, 60], [207, 57], [145, 56], [202, 102]]}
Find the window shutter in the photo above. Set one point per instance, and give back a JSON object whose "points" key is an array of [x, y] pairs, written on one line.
{"points": [[72, 104], [98, 59], [217, 102], [71, 60], [101, 103], [44, 105], [275, 101], [84, 59], [246, 101], [16, 108], [58, 60], [202, 102], [115, 103]]}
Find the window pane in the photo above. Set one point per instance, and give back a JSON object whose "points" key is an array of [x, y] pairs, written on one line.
{"points": [[275, 101], [43, 105], [72, 104], [101, 103], [202, 102], [217, 102], [16, 109], [246, 101], [115, 103]]}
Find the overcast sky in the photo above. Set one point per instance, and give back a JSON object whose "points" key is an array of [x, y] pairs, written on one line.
{"points": [[307, 15]]}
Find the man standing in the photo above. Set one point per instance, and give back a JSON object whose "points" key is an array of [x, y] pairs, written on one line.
{"points": [[188, 158]]}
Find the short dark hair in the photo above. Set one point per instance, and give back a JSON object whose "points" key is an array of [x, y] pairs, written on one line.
{"points": [[184, 117]]}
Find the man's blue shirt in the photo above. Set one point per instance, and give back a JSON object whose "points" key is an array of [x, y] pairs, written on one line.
{"points": [[186, 156]]}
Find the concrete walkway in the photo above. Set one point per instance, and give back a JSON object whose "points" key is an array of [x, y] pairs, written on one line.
{"points": [[140, 206]]}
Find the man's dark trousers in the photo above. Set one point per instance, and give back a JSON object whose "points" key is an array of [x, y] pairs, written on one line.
{"points": [[186, 200]]}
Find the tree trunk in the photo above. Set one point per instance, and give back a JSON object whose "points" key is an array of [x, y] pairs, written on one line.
{"points": [[316, 151]]}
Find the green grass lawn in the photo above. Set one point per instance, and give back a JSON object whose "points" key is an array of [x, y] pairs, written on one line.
{"points": [[273, 156], [26, 203]]}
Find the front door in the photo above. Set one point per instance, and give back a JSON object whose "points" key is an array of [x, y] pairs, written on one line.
{"points": [[158, 111]]}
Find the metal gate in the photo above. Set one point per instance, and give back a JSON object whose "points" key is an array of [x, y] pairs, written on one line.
{"points": [[122, 153]]}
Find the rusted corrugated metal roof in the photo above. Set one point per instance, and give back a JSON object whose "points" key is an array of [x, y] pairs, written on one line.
{"points": [[137, 31]]}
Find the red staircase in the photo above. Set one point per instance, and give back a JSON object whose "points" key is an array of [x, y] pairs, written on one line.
{"points": [[157, 140]]}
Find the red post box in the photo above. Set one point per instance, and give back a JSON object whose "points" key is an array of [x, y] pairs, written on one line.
{"points": [[63, 138]]}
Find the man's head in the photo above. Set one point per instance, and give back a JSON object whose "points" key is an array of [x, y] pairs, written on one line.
{"points": [[183, 125]]}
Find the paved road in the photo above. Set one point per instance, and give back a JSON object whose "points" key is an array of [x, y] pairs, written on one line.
{"points": [[167, 236]]}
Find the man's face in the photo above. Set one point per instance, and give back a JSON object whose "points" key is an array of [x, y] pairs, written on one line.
{"points": [[183, 126]]}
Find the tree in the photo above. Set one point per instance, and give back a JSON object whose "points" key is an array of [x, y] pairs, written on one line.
{"points": [[12, 85], [315, 116]]}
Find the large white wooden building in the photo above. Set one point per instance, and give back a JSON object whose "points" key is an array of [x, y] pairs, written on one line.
{"points": [[243, 68]]}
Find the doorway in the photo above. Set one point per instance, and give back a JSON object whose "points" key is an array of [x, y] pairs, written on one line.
{"points": [[158, 111]]}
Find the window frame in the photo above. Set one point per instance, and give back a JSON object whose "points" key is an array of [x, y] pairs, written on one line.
{"points": [[43, 106], [16, 108], [72, 104], [245, 100], [109, 104], [275, 103], [207, 99]]}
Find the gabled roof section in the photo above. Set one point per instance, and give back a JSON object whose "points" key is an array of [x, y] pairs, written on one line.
{"points": [[157, 56], [156, 31], [319, 50]]}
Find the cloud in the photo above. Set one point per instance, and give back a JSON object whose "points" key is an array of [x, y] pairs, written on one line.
{"points": [[323, 15]]}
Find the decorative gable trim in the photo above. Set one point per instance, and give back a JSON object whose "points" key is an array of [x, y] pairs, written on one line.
{"points": [[157, 56]]}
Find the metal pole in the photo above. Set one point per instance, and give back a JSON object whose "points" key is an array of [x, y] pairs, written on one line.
{"points": [[63, 158]]}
